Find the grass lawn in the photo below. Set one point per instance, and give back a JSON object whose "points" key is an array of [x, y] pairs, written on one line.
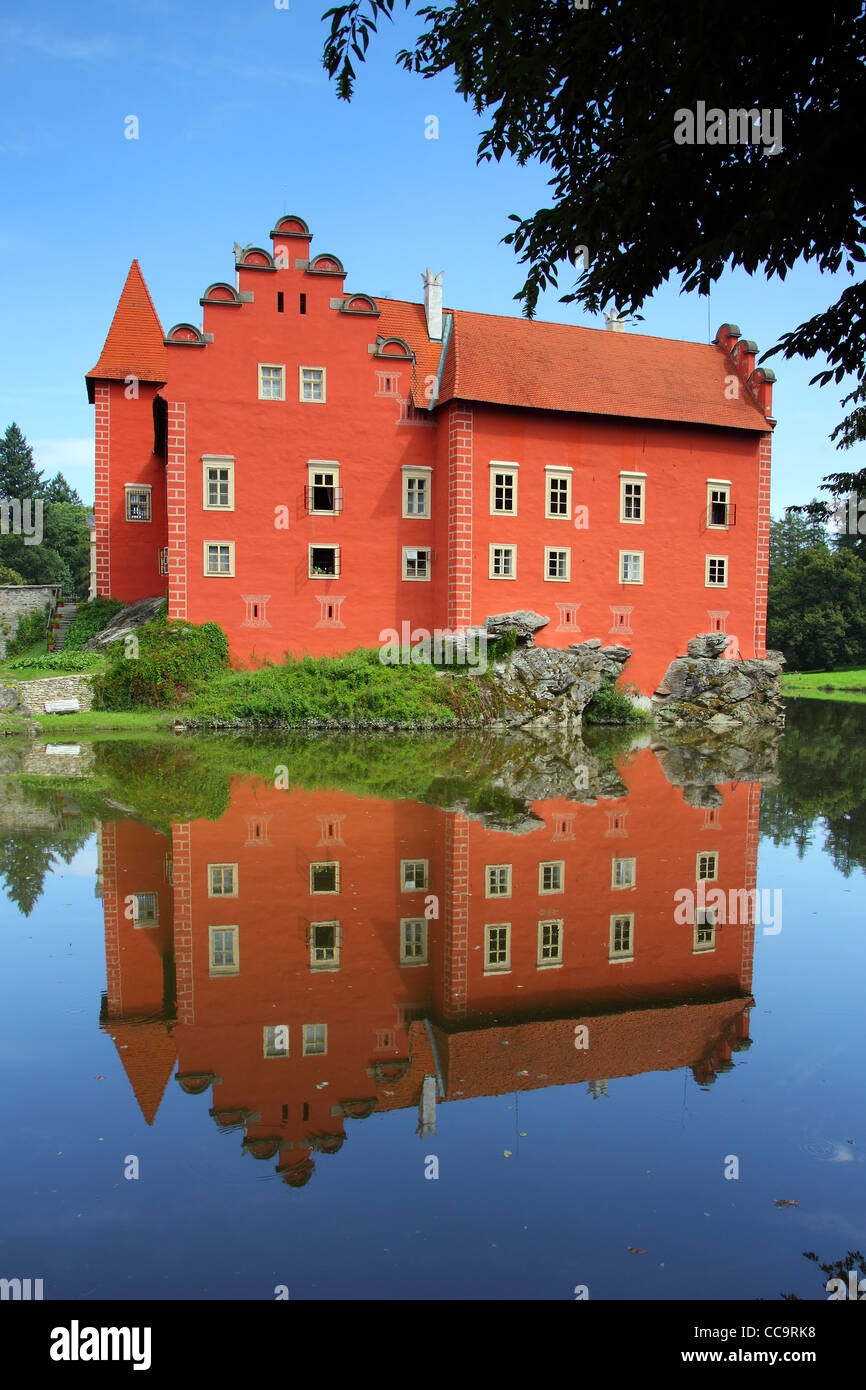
{"points": [[825, 685]]}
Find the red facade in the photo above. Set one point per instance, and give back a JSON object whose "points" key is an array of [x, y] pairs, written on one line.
{"points": [[313, 468]]}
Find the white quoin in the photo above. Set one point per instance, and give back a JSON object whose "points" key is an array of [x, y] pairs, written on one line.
{"points": [[433, 304]]}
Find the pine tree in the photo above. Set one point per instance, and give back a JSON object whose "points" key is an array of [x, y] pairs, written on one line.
{"points": [[58, 490], [19, 476]]}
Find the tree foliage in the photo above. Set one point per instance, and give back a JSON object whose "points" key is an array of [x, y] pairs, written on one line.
{"points": [[816, 609], [790, 535], [593, 95], [61, 555]]}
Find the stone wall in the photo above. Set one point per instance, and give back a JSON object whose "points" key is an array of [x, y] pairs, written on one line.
{"points": [[16, 601], [33, 694]]}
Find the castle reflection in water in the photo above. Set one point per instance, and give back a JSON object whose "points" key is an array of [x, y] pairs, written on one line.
{"points": [[315, 957]]}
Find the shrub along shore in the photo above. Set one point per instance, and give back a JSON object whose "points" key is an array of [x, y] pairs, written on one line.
{"points": [[179, 672]]}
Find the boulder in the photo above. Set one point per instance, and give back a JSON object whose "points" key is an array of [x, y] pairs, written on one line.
{"points": [[699, 692], [708, 644], [522, 621], [542, 687], [126, 621]]}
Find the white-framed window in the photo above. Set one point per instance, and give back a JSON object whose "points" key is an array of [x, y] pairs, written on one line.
{"points": [[416, 562], [219, 558], [707, 866], [145, 909], [314, 1039], [497, 880], [325, 877], [222, 880], [623, 873], [413, 941], [324, 497], [416, 492], [503, 561], [324, 562], [718, 504], [550, 942], [324, 945], [551, 876], [621, 937], [218, 483], [631, 567], [557, 563], [557, 493], [717, 572], [272, 381], [632, 498], [414, 875], [223, 951], [275, 1040], [138, 502], [497, 948], [311, 383], [503, 489], [163, 559], [704, 931]]}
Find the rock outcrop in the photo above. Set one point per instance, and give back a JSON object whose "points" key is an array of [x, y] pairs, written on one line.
{"points": [[548, 687], [704, 694], [126, 621]]}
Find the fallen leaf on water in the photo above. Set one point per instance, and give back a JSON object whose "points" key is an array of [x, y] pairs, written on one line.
{"points": [[522, 1134], [100, 1078], [785, 1202], [506, 1153], [634, 1250]]}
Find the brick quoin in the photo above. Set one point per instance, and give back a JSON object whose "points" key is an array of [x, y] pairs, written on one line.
{"points": [[181, 840]]}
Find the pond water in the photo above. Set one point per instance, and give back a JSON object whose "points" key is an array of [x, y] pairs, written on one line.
{"points": [[340, 1026]]}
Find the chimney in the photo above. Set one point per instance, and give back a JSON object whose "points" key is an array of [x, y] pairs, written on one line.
{"points": [[614, 321], [433, 304]]}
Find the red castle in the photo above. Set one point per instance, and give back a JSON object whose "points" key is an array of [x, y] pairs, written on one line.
{"points": [[311, 467]]}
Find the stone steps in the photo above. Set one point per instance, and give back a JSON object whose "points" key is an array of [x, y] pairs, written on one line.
{"points": [[65, 614]]}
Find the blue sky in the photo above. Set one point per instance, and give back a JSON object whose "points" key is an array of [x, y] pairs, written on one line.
{"points": [[238, 124]]}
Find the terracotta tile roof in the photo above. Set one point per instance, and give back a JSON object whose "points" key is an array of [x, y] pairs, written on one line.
{"points": [[402, 320], [135, 344], [148, 1054], [556, 366]]}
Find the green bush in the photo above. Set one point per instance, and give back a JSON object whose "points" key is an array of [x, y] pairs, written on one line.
{"points": [[10, 576], [30, 630], [91, 618], [612, 706], [171, 659]]}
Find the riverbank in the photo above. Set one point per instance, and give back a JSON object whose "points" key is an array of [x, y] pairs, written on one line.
{"points": [[826, 685]]}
